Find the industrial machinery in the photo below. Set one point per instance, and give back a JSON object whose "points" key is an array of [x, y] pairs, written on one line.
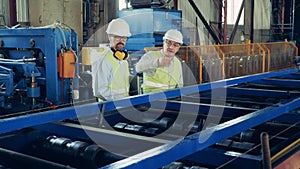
{"points": [[38, 67], [222, 119], [242, 113], [212, 125]]}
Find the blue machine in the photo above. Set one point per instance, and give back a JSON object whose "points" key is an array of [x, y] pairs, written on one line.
{"points": [[209, 125], [31, 67], [148, 25]]}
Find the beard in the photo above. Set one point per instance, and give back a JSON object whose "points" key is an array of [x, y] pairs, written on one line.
{"points": [[119, 46]]}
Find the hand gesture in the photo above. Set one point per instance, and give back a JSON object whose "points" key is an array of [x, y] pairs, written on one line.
{"points": [[164, 61]]}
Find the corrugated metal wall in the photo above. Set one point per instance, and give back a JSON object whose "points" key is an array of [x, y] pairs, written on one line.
{"points": [[262, 11], [4, 13], [198, 33], [210, 13], [261, 22]]}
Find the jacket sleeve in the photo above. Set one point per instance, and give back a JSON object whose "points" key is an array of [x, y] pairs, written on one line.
{"points": [[147, 63], [180, 83], [101, 78]]}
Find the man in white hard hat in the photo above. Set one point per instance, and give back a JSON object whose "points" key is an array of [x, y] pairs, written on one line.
{"points": [[162, 70], [110, 72]]}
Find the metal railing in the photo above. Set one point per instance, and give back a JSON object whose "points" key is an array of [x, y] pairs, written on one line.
{"points": [[215, 62]]}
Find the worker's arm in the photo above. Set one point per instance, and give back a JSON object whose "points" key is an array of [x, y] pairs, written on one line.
{"points": [[105, 81], [180, 83], [146, 63]]}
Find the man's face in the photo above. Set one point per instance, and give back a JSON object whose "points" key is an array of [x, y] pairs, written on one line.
{"points": [[170, 48], [117, 42]]}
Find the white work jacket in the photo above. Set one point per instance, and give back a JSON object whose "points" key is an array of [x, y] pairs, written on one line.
{"points": [[110, 76]]}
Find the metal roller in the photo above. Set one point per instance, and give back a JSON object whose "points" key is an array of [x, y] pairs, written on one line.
{"points": [[75, 153]]}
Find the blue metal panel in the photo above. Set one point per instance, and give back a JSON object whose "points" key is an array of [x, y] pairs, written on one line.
{"points": [[149, 21], [150, 24], [166, 19], [136, 44], [140, 21]]}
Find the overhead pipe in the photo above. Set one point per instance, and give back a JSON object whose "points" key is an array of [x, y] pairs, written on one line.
{"points": [[211, 32], [197, 33], [219, 22], [230, 41], [12, 12], [220, 15], [282, 16], [293, 19], [225, 23], [175, 4], [252, 20]]}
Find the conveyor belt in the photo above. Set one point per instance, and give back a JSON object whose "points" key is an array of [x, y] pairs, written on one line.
{"points": [[210, 125], [250, 105]]}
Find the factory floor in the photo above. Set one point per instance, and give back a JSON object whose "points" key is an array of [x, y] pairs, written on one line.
{"points": [[292, 162]]}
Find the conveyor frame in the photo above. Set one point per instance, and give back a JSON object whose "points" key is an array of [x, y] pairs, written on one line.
{"points": [[174, 150]]}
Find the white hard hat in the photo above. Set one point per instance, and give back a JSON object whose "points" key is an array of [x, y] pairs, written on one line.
{"points": [[174, 35], [118, 27]]}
